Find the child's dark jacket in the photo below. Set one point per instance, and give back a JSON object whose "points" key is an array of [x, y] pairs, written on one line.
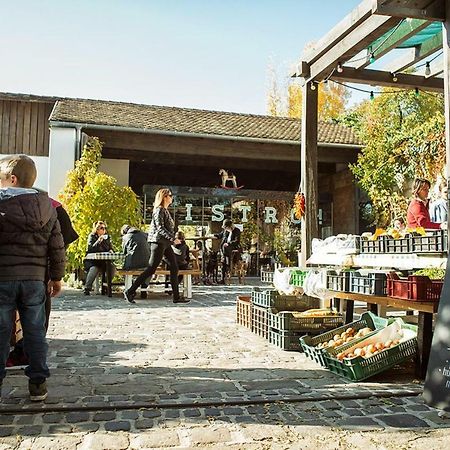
{"points": [[30, 237]]}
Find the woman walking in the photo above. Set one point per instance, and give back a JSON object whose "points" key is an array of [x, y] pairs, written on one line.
{"points": [[161, 238]]}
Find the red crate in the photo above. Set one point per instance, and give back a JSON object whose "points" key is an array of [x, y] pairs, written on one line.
{"points": [[415, 287]]}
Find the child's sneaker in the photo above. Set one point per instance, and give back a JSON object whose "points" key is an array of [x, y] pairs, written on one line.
{"points": [[38, 390]]}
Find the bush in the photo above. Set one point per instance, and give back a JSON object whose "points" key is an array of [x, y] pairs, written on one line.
{"points": [[90, 195]]}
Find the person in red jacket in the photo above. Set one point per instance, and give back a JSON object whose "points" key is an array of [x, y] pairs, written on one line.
{"points": [[418, 214]]}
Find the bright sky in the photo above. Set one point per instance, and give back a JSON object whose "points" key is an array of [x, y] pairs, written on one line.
{"points": [[208, 54]]}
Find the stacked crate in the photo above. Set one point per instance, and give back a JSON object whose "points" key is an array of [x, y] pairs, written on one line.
{"points": [[264, 301], [267, 276], [433, 242], [244, 311]]}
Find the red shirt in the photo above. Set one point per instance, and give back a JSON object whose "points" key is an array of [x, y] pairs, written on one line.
{"points": [[419, 216]]}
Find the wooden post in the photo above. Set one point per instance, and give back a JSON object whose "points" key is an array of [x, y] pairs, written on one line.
{"points": [[308, 169]]}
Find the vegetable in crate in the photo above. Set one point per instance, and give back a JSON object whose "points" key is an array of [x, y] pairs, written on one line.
{"points": [[432, 273], [321, 312], [346, 336], [368, 350]]}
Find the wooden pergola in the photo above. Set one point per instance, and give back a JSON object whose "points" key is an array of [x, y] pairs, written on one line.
{"points": [[375, 28], [345, 54]]}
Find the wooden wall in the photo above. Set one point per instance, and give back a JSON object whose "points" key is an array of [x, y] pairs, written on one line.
{"points": [[24, 127]]}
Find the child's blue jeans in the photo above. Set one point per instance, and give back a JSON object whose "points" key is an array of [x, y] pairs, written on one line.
{"points": [[28, 297]]}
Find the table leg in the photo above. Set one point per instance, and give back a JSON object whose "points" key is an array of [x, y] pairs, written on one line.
{"points": [[349, 308], [424, 338], [187, 282], [109, 276]]}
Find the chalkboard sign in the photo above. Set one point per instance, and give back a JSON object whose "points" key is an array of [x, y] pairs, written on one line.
{"points": [[437, 383]]}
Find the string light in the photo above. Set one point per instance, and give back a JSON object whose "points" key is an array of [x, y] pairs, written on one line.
{"points": [[427, 69], [340, 69], [313, 86], [372, 58], [394, 77], [372, 95], [416, 91]]}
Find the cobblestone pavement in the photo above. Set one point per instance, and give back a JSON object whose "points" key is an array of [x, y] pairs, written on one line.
{"points": [[159, 375]]}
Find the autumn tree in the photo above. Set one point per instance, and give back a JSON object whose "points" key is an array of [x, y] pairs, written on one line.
{"points": [[285, 99], [404, 138], [90, 195]]}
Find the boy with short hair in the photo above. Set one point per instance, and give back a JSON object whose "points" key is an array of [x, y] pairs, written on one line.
{"points": [[30, 244]]}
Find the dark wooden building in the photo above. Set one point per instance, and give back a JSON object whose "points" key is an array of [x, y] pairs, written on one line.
{"points": [[156, 145]]}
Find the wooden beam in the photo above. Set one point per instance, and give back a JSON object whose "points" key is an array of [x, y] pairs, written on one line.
{"points": [[380, 78], [385, 44], [360, 38], [434, 11], [362, 12], [308, 170]]}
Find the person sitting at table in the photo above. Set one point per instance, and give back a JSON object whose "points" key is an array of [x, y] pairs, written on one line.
{"points": [[98, 242], [136, 250], [418, 214]]}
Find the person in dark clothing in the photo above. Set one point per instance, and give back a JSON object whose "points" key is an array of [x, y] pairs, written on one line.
{"points": [[161, 238], [98, 242], [31, 246], [136, 250], [230, 240], [17, 357], [135, 247]]}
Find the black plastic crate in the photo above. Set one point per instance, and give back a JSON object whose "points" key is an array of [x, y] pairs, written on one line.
{"points": [[368, 246], [435, 241], [338, 281], [260, 321], [370, 283], [401, 245], [286, 341]]}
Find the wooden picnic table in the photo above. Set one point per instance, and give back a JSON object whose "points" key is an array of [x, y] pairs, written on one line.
{"points": [[107, 256]]}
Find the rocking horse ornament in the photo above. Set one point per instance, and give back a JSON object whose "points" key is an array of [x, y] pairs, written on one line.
{"points": [[228, 177]]}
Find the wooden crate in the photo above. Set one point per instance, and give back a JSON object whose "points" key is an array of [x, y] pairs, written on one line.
{"points": [[244, 311]]}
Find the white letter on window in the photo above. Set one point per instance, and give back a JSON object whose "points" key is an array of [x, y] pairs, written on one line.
{"points": [[270, 214], [245, 209], [217, 211]]}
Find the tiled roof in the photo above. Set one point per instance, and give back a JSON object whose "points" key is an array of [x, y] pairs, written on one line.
{"points": [[183, 120]]}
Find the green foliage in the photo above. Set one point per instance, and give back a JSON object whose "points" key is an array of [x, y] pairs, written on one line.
{"points": [[90, 195], [404, 137]]}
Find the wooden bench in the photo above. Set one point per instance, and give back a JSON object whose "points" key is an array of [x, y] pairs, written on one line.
{"points": [[187, 277]]}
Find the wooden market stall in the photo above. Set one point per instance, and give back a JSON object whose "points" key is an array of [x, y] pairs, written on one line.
{"points": [[346, 54]]}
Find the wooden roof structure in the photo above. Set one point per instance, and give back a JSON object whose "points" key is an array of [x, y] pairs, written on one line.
{"points": [[373, 29]]}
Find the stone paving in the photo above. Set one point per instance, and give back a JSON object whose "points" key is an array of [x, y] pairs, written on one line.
{"points": [[159, 375]]}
